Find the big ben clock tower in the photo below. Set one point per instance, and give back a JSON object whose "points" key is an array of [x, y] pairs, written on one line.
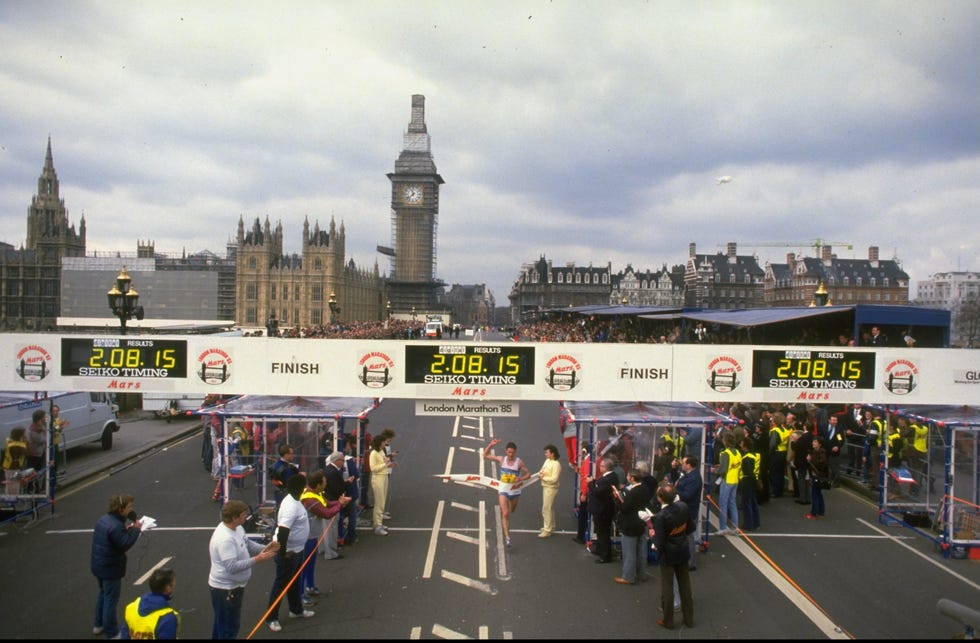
{"points": [[415, 217]]}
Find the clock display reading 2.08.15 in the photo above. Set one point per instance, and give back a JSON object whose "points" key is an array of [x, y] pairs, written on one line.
{"points": [[470, 364], [818, 370], [120, 357]]}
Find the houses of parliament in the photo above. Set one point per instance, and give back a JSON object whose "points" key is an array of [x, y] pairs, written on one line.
{"points": [[51, 276]]}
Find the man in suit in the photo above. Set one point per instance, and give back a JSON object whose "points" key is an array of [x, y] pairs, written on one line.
{"points": [[834, 440], [336, 485], [602, 508], [689, 487]]}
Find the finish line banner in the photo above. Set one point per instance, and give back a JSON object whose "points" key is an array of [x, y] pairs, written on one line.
{"points": [[451, 371]]}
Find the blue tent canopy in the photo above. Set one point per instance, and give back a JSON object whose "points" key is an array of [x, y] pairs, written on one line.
{"points": [[758, 316]]}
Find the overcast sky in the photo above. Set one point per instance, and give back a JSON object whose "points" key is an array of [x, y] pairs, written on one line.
{"points": [[584, 131]]}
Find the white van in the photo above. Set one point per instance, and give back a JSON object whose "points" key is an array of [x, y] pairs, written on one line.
{"points": [[433, 329], [91, 417]]}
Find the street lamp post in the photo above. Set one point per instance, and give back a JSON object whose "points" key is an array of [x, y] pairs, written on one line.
{"points": [[124, 300], [334, 308], [387, 313], [821, 297]]}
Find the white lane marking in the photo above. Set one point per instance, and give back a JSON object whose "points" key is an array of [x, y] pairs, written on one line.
{"points": [[794, 595], [433, 539], [456, 427], [416, 633], [145, 577], [446, 633], [483, 540], [459, 505], [449, 463], [470, 540], [501, 547], [468, 582], [484, 633], [921, 555]]}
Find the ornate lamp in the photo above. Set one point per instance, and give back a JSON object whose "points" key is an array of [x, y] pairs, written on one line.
{"points": [[124, 300]]}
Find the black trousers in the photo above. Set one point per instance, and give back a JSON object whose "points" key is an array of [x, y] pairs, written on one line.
{"points": [[603, 537], [667, 574]]}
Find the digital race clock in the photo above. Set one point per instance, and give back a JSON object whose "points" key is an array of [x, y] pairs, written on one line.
{"points": [[123, 357], [809, 369], [471, 364]]}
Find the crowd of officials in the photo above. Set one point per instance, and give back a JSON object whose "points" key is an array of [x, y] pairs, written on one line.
{"points": [[315, 514], [652, 503]]}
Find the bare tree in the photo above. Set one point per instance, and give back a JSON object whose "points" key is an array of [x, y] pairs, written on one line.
{"points": [[968, 320]]}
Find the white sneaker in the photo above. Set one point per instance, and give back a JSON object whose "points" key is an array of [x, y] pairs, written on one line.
{"points": [[386, 516], [275, 626], [303, 614], [98, 630], [380, 531], [722, 532]]}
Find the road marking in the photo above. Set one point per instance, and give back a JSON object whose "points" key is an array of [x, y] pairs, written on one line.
{"points": [[468, 582], [459, 505], [921, 555], [470, 540], [483, 540], [449, 463], [416, 633], [793, 593], [145, 577], [433, 539], [446, 633], [484, 633], [501, 547], [456, 427]]}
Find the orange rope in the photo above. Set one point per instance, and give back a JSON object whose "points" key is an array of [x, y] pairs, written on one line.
{"points": [[779, 570], [275, 604]]}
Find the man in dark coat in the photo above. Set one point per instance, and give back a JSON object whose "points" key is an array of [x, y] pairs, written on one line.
{"points": [[602, 508], [336, 486], [114, 534], [671, 526], [689, 488]]}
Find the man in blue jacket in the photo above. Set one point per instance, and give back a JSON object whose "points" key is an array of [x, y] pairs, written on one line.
{"points": [[114, 534], [150, 616], [689, 487]]}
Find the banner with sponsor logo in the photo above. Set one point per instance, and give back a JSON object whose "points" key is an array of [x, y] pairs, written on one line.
{"points": [[469, 370]]}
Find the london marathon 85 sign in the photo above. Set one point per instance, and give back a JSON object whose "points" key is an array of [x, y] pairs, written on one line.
{"points": [[123, 358], [470, 364], [815, 370]]}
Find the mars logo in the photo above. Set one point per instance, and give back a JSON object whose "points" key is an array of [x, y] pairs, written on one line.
{"points": [[563, 372], [723, 374], [33, 363], [375, 369], [900, 376], [212, 366]]}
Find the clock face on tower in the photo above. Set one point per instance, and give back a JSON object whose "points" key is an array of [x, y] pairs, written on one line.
{"points": [[412, 194]]}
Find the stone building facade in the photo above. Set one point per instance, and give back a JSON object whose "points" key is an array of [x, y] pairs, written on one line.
{"points": [[541, 286], [297, 289], [725, 281], [658, 288], [30, 276], [847, 281]]}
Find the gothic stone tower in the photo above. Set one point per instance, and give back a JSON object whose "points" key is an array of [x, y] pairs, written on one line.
{"points": [[415, 216], [30, 278]]}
